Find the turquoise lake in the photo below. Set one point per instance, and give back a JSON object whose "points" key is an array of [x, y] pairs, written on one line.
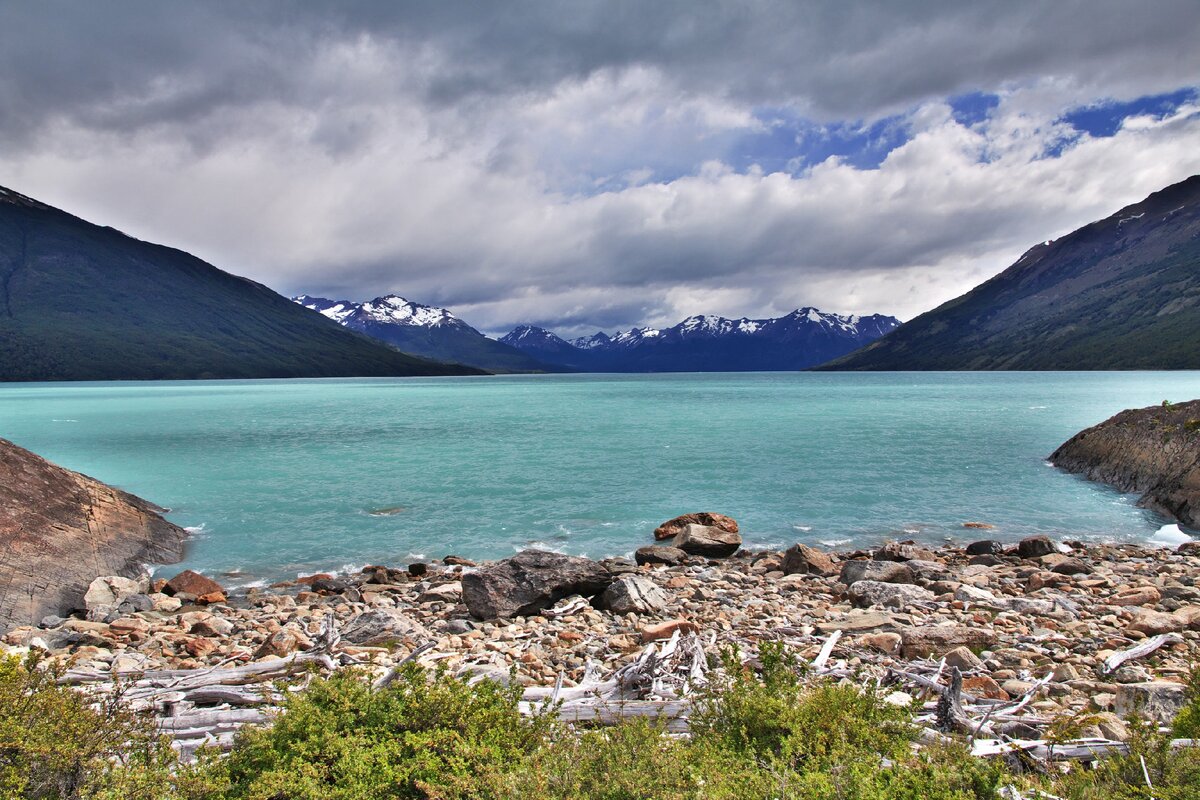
{"points": [[293, 476]]}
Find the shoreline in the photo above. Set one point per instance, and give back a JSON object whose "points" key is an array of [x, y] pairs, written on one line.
{"points": [[1006, 619]]}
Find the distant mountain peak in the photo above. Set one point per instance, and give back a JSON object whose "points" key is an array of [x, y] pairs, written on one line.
{"points": [[526, 335], [803, 338], [389, 309]]}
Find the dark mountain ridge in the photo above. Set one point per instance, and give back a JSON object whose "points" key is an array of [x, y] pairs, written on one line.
{"points": [[83, 302], [804, 338], [1119, 293]]}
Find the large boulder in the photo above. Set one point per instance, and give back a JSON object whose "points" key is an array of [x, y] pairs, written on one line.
{"points": [[1158, 700], [529, 582], [882, 571], [381, 626], [673, 527], [707, 540], [800, 559], [192, 583], [60, 529], [877, 593], [1035, 547], [111, 590], [633, 593]]}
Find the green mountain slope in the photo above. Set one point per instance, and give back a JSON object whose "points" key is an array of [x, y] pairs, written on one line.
{"points": [[1121, 293], [82, 302]]}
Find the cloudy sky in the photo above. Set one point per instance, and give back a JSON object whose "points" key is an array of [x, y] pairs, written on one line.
{"points": [[587, 165]]}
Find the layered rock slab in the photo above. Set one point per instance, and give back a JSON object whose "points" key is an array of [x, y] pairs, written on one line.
{"points": [[1154, 451], [60, 529]]}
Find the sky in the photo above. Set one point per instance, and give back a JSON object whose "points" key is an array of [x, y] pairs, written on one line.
{"points": [[600, 165]]}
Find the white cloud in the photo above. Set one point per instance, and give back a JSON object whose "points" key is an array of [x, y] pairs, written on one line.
{"points": [[590, 184]]}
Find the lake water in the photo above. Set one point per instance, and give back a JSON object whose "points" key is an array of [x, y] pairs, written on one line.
{"points": [[286, 477]]}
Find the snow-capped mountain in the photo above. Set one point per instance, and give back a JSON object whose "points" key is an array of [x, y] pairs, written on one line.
{"points": [[390, 309], [545, 346], [424, 330], [804, 338]]}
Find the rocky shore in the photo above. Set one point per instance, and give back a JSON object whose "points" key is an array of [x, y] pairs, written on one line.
{"points": [[60, 529], [1052, 620], [1154, 451]]}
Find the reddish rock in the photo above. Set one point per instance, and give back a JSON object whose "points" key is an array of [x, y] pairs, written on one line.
{"points": [[676, 526], [983, 526], [1135, 596], [936, 640], [983, 686], [60, 529], [199, 648], [211, 598], [904, 551], [458, 561], [800, 559], [193, 583], [307, 580]]}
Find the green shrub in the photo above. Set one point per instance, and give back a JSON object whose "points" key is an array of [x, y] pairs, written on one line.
{"points": [[419, 738], [53, 744]]}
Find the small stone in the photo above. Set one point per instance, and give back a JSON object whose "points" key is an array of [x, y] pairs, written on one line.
{"points": [[984, 547], [1135, 596], [979, 526], [903, 551], [882, 571], [936, 640], [964, 659], [886, 642], [659, 554], [984, 686], [1071, 566]]}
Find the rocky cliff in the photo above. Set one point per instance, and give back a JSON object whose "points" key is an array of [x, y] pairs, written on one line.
{"points": [[60, 529], [1155, 451]]}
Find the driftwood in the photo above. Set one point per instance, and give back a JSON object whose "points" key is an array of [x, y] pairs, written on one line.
{"points": [[207, 707], [1113, 662]]}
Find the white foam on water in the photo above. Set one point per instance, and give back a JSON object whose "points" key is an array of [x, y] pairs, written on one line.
{"points": [[1169, 536], [64, 420], [804, 528], [835, 542], [538, 545]]}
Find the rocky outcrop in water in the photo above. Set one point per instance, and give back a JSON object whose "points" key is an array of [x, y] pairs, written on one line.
{"points": [[1155, 451], [60, 529]]}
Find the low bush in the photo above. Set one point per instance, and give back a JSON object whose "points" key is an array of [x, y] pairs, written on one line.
{"points": [[755, 734]]}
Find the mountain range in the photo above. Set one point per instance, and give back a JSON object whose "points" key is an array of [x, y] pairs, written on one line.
{"points": [[83, 302], [802, 339], [425, 331], [1120, 293]]}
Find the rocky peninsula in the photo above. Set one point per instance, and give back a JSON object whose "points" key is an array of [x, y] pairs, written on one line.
{"points": [[1154, 451], [60, 529]]}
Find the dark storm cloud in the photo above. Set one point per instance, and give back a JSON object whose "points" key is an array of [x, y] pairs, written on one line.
{"points": [[566, 163]]}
